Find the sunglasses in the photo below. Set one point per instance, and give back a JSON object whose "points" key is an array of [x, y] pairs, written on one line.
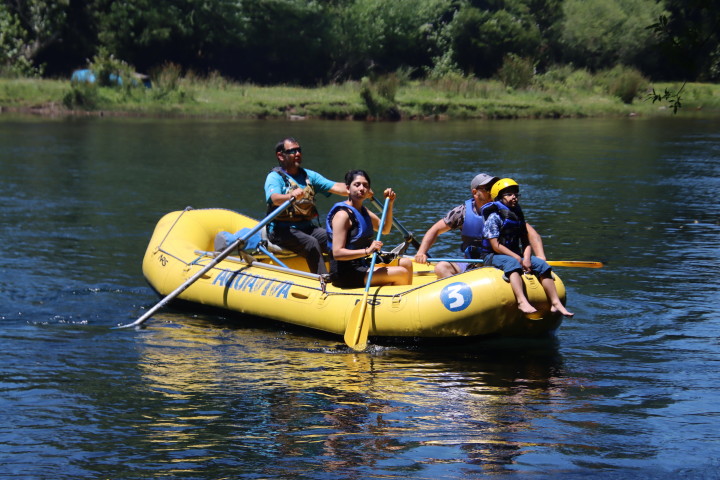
{"points": [[510, 194], [292, 151]]}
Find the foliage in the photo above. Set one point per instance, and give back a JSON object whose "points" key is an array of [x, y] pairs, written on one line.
{"points": [[462, 86], [672, 97], [27, 27], [111, 71], [548, 15], [566, 78], [466, 97], [516, 72], [169, 84], [82, 96], [12, 62], [167, 77], [690, 36], [623, 82], [379, 96], [320, 42], [149, 33], [601, 33], [481, 38], [378, 36]]}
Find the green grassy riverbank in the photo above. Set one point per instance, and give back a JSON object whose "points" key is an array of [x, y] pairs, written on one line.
{"points": [[457, 98]]}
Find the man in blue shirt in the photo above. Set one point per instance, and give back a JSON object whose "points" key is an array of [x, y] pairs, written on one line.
{"points": [[294, 229]]}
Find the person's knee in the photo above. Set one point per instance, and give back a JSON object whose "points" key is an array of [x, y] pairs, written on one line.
{"points": [[319, 237], [407, 275], [311, 245], [445, 269]]}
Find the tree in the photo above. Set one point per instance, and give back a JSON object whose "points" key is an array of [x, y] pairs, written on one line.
{"points": [[603, 33], [287, 41], [148, 33], [482, 38], [380, 36], [26, 28], [690, 42], [690, 39], [548, 15]]}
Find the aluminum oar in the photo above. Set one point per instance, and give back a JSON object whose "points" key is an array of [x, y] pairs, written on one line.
{"points": [[356, 331], [241, 240]]}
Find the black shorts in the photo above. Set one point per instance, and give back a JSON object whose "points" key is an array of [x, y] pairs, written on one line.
{"points": [[350, 274]]}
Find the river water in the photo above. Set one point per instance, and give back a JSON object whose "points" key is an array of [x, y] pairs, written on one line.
{"points": [[629, 387]]}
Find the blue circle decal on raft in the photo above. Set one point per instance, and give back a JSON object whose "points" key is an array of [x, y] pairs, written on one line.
{"points": [[456, 296]]}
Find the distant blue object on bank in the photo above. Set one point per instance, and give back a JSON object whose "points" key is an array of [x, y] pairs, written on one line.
{"points": [[88, 76], [83, 76]]}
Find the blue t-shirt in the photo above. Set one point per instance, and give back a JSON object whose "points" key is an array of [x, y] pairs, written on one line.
{"points": [[275, 183], [492, 226], [492, 230]]}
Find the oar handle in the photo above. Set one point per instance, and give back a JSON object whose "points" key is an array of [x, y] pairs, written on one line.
{"points": [[241, 240]]}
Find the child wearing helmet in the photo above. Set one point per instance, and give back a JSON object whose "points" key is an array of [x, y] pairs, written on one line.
{"points": [[467, 219], [506, 246]]}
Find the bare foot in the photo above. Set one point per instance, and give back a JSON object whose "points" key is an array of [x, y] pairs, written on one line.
{"points": [[526, 308], [561, 308]]}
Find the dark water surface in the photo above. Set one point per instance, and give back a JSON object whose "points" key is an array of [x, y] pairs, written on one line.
{"points": [[629, 388]]}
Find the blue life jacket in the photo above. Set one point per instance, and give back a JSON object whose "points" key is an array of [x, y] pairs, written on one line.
{"points": [[512, 230], [472, 230], [361, 233]]}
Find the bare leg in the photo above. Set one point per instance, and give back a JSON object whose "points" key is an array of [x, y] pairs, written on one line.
{"points": [[536, 243], [407, 265], [517, 286], [549, 285], [445, 269], [400, 275]]}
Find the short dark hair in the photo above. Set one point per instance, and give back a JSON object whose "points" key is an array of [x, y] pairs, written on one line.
{"points": [[350, 176], [281, 144]]}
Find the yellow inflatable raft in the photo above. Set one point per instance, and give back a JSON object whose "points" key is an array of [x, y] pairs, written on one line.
{"points": [[278, 286]]}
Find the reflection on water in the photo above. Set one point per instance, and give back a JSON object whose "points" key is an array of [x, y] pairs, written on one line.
{"points": [[343, 409], [628, 389]]}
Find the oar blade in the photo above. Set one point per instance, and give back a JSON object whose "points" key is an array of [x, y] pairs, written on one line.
{"points": [[575, 263], [357, 329]]}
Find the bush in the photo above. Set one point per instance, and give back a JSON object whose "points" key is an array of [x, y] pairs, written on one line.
{"points": [[379, 96], [581, 80], [83, 96], [170, 86], [516, 72], [167, 77], [111, 71], [627, 83]]}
